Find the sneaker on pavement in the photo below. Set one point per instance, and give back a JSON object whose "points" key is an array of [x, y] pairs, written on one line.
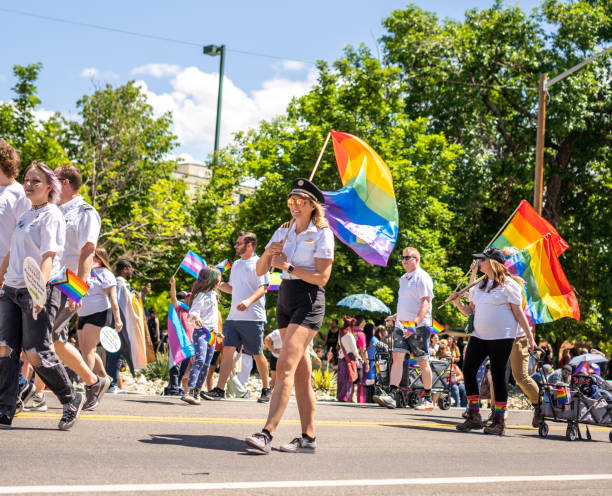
{"points": [[266, 394], [115, 390], [94, 393], [5, 421], [426, 405], [71, 412], [259, 442], [385, 399], [25, 395], [36, 404], [192, 397], [216, 394], [300, 445]]}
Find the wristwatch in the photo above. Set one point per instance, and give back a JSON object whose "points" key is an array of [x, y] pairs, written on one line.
{"points": [[290, 268]]}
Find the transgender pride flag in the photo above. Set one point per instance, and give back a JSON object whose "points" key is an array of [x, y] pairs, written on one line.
{"points": [[192, 264], [178, 341]]}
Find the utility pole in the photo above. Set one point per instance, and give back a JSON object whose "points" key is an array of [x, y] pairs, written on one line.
{"points": [[538, 183], [214, 50]]}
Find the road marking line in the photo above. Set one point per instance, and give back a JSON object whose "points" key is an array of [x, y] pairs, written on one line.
{"points": [[101, 417], [217, 486]]}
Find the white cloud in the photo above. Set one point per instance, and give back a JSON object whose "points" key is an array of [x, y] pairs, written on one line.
{"points": [[42, 114], [293, 65], [193, 103], [157, 70], [90, 73]]}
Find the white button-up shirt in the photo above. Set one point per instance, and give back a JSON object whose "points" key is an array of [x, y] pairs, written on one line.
{"points": [[302, 249]]}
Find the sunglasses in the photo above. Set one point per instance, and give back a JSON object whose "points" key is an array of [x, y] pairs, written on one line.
{"points": [[296, 202], [408, 257]]}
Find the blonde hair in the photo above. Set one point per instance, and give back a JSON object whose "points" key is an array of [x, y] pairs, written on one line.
{"points": [[413, 252], [318, 215]]}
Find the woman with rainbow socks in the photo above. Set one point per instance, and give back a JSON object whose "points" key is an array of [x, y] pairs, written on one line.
{"points": [[496, 304], [204, 311]]}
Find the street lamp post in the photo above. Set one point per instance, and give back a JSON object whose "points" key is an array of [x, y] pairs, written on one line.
{"points": [[214, 50], [538, 183]]}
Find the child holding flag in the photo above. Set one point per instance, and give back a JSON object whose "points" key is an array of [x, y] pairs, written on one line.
{"points": [[204, 311]]}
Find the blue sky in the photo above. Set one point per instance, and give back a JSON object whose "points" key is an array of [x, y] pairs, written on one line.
{"points": [[177, 76]]}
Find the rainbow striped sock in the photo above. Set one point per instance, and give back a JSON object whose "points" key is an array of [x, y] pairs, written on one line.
{"points": [[427, 395], [474, 403], [500, 408]]}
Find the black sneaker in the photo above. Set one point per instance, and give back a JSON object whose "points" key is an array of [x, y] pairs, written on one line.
{"points": [[5, 421], [71, 412], [95, 392], [217, 394], [266, 394], [25, 395], [259, 442]]}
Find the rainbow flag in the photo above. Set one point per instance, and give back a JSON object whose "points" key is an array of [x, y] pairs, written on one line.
{"points": [[210, 339], [411, 360], [437, 328], [71, 285], [583, 368], [178, 341], [363, 214], [275, 281], [408, 326], [549, 294], [223, 266], [562, 398], [526, 227], [192, 264]]}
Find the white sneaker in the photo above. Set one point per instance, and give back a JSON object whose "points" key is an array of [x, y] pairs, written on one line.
{"points": [[426, 405]]}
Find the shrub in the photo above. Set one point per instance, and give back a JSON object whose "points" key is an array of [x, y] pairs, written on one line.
{"points": [[159, 369], [324, 380]]}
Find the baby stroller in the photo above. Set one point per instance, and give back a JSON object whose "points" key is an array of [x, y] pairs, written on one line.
{"points": [[587, 400], [410, 390]]}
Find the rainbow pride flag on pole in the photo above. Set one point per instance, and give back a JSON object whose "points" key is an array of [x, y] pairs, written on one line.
{"points": [[192, 264], [526, 227], [436, 328], [275, 281], [71, 285], [363, 214], [549, 294], [407, 326], [223, 266], [181, 347]]}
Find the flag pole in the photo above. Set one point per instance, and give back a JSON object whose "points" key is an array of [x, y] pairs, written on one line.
{"points": [[176, 271], [316, 165]]}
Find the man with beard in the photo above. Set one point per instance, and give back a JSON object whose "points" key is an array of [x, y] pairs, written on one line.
{"points": [[247, 317]]}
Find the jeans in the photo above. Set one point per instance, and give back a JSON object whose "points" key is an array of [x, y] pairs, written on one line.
{"points": [[177, 371], [113, 366], [203, 356], [457, 392], [18, 329]]}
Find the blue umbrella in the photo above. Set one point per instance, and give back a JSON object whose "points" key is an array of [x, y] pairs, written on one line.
{"points": [[364, 301]]}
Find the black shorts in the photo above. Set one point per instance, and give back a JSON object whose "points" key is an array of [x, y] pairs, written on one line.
{"points": [[300, 303], [100, 319], [273, 361]]}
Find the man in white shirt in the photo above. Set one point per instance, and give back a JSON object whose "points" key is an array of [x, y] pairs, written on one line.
{"points": [[274, 342], [82, 231], [413, 306], [247, 317]]}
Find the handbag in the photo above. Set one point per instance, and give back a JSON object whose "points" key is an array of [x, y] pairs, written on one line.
{"points": [[351, 365], [469, 327]]}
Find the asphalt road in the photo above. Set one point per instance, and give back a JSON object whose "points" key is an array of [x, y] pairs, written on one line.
{"points": [[162, 446]]}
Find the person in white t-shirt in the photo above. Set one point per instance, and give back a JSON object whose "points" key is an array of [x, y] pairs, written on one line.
{"points": [[413, 306], [82, 231], [273, 342], [39, 234], [244, 325], [498, 314], [99, 308]]}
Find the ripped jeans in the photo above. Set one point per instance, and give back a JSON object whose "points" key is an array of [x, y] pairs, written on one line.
{"points": [[18, 330]]}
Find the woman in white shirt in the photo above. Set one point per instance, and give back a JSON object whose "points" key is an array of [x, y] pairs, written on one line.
{"points": [[204, 311], [496, 303], [346, 343], [99, 308], [304, 251], [39, 234]]}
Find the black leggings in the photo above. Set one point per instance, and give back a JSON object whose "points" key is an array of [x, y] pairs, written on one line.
{"points": [[498, 351]]}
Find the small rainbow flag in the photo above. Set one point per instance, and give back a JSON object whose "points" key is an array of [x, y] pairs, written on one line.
{"points": [[562, 398], [275, 281], [223, 266], [210, 340], [411, 360], [71, 285], [437, 328], [408, 326], [192, 264]]}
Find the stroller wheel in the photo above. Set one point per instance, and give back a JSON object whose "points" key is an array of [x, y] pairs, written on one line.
{"points": [[444, 401], [400, 399], [543, 430], [413, 399], [571, 434], [610, 436]]}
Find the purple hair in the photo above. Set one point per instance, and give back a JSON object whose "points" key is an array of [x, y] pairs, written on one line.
{"points": [[52, 180]]}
